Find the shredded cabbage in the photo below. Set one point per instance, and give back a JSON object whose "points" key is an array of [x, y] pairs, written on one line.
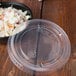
{"points": [[12, 19]]}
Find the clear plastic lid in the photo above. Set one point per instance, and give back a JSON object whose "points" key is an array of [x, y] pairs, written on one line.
{"points": [[42, 46]]}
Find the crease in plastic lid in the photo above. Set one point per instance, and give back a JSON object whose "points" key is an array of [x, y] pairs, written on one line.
{"points": [[42, 46]]}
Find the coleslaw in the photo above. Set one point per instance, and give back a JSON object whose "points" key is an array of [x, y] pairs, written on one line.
{"points": [[12, 20]]}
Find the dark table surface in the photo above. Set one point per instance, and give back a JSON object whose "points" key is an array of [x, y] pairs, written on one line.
{"points": [[62, 12]]}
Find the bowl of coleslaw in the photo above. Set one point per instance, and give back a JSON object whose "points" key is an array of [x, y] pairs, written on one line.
{"points": [[13, 18]]}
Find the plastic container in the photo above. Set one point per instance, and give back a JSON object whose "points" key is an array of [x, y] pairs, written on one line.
{"points": [[43, 46], [16, 5]]}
